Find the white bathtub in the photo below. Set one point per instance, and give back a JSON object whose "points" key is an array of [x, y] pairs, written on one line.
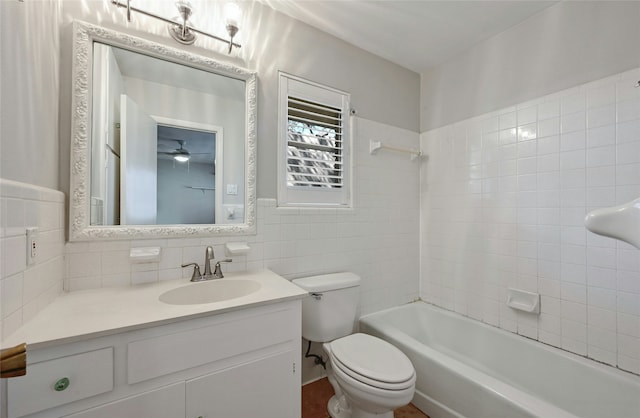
{"points": [[469, 369]]}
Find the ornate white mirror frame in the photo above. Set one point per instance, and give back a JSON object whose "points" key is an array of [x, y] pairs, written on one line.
{"points": [[80, 229]]}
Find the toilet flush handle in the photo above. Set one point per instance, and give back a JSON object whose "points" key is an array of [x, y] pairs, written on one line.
{"points": [[316, 296]]}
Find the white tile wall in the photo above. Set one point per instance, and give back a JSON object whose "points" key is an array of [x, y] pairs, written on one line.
{"points": [[504, 196], [26, 290], [377, 239]]}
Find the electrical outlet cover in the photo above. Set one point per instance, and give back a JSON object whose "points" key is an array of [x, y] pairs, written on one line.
{"points": [[32, 245]]}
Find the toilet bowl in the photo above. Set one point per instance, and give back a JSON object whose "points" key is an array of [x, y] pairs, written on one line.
{"points": [[370, 377], [374, 376]]}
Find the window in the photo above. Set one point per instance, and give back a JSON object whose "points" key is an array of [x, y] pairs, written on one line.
{"points": [[313, 145]]}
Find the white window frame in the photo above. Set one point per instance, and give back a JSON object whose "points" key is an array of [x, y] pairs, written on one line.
{"points": [[314, 197]]}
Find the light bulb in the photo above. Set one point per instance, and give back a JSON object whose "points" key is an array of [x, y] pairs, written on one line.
{"points": [[181, 158], [232, 14]]}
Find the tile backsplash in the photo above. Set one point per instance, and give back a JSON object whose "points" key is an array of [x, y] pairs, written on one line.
{"points": [[26, 289], [377, 239], [504, 197]]}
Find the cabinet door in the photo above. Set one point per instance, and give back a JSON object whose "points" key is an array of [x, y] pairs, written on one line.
{"points": [[166, 402], [263, 388]]}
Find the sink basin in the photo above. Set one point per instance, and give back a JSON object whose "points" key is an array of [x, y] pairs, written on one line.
{"points": [[210, 291]]}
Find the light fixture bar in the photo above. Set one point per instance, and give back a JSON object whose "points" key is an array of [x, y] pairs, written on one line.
{"points": [[130, 8]]}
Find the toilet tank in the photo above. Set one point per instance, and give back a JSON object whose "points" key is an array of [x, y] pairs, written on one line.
{"points": [[330, 310]]}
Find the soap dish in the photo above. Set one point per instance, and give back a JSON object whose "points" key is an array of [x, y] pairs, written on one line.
{"points": [[236, 248], [144, 255], [523, 301]]}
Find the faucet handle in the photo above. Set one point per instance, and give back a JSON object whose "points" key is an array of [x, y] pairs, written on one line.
{"points": [[217, 271], [196, 276]]}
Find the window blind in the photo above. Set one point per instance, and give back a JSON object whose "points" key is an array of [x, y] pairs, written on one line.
{"points": [[314, 163], [314, 144]]}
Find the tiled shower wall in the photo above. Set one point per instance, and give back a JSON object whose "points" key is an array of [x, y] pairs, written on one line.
{"points": [[378, 239], [504, 196], [25, 290]]}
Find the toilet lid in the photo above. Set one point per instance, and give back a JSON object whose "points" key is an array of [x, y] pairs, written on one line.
{"points": [[372, 358], [348, 374]]}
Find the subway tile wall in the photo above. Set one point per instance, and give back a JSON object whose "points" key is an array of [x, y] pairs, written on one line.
{"points": [[26, 290], [504, 196], [377, 239]]}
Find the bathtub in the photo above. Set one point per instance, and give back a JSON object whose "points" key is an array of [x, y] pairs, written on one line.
{"points": [[468, 369]]}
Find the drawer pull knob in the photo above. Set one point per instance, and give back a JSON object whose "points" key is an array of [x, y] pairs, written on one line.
{"points": [[61, 384]]}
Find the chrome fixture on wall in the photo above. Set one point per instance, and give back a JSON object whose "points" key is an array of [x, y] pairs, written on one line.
{"points": [[181, 29]]}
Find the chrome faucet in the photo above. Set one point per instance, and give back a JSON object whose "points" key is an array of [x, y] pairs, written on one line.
{"points": [[207, 275], [208, 256]]}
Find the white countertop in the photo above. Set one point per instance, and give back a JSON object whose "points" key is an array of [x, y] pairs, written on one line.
{"points": [[93, 313]]}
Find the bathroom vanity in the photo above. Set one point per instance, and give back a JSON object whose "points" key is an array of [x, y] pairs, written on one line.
{"points": [[125, 353]]}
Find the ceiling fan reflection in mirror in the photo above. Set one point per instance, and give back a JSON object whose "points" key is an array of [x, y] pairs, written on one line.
{"points": [[181, 154]]}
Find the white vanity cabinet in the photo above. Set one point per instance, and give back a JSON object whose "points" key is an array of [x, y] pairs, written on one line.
{"points": [[243, 363]]}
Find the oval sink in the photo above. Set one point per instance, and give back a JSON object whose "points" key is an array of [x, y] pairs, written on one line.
{"points": [[210, 291]]}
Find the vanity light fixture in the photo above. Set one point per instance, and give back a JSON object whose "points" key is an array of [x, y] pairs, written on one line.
{"points": [[180, 27], [232, 14]]}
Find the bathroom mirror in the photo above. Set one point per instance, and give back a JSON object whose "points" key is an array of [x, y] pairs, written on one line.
{"points": [[163, 141]]}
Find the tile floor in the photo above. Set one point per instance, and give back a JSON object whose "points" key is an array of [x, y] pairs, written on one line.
{"points": [[315, 396]]}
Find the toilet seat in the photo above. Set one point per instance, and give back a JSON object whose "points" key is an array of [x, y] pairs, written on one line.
{"points": [[373, 362], [386, 386]]}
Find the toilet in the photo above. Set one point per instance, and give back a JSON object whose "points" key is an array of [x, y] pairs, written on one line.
{"points": [[370, 377]]}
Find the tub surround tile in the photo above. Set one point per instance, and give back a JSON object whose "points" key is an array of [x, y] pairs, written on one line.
{"points": [[578, 151]]}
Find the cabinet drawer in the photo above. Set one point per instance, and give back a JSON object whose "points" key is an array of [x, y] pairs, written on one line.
{"points": [[59, 381], [166, 354]]}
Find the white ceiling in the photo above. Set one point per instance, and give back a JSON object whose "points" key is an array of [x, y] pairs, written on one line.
{"points": [[135, 65], [418, 34]]}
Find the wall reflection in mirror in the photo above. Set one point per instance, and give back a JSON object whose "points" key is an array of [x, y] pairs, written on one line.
{"points": [[167, 143]]}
